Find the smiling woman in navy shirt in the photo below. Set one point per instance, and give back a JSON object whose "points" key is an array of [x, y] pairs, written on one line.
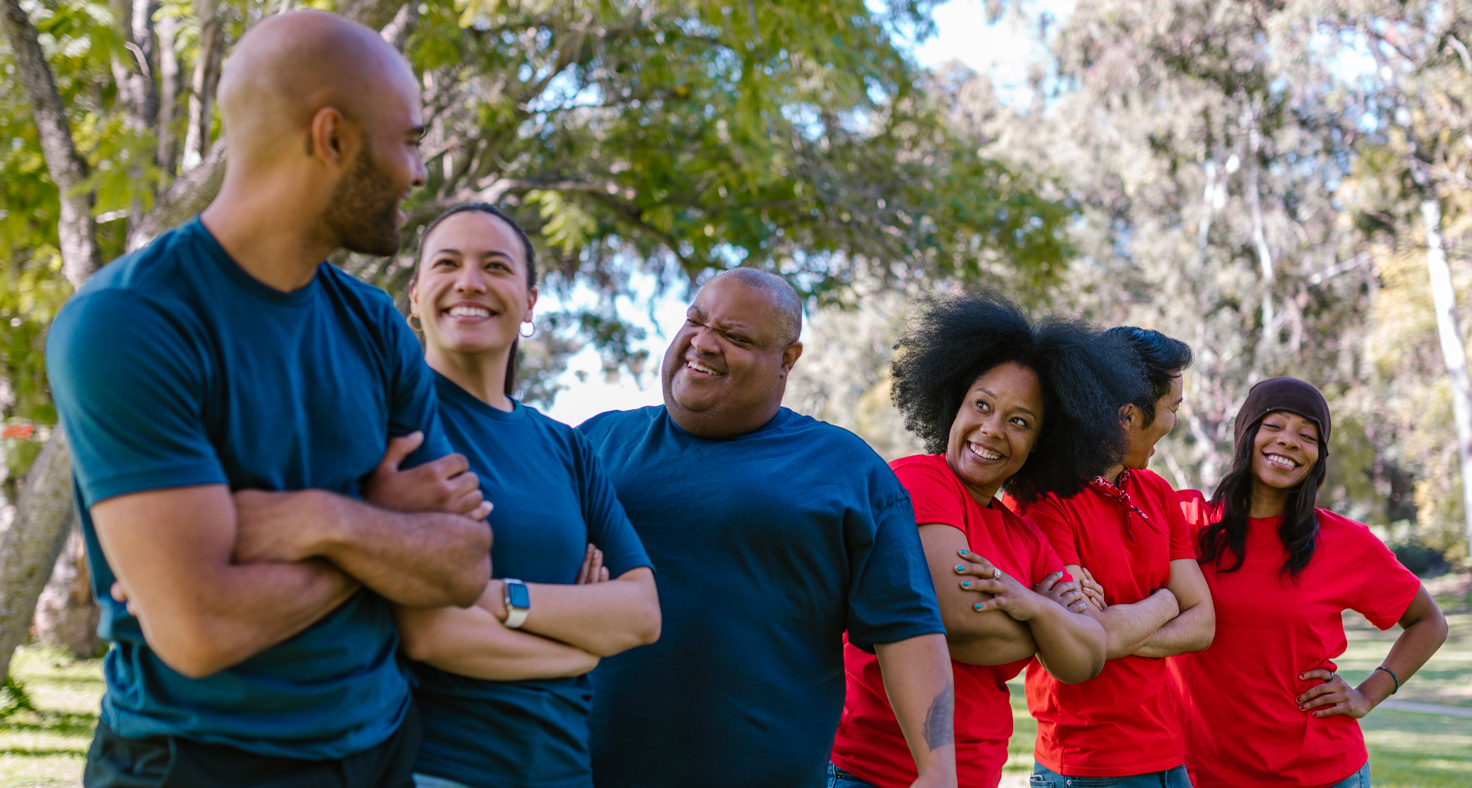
{"points": [[503, 689]]}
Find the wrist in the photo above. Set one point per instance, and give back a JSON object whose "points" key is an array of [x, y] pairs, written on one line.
{"points": [[331, 523], [493, 600]]}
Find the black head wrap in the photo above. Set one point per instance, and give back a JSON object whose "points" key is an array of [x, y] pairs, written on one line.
{"points": [[1290, 394]]}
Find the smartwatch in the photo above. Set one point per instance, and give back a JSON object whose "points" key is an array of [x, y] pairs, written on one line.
{"points": [[518, 602]]}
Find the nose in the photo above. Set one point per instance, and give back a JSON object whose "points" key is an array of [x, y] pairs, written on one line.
{"points": [[420, 172], [469, 280], [702, 341]]}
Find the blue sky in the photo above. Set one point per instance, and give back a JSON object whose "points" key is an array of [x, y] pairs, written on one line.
{"points": [[963, 34]]}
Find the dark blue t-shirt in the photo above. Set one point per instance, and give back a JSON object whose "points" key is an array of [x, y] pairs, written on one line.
{"points": [[769, 546], [173, 367], [551, 499]]}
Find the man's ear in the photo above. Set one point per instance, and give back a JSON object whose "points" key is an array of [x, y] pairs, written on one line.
{"points": [[1130, 415], [332, 139], [789, 357]]}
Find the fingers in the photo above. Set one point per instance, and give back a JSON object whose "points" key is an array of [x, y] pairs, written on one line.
{"points": [[986, 586], [399, 449], [481, 512], [1338, 708], [1045, 585], [585, 572], [1317, 673], [603, 575], [980, 567], [118, 594]]}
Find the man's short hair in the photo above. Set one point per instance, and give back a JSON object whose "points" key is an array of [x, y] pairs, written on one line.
{"points": [[782, 293]]}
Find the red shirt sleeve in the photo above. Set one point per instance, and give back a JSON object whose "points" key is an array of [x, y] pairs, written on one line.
{"points": [[1051, 517], [933, 494], [1182, 535], [1045, 560], [1387, 588]]}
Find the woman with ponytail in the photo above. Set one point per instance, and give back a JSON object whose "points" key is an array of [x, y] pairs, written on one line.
{"points": [[503, 691], [1265, 704]]}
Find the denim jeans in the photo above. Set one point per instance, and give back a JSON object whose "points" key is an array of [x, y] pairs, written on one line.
{"points": [[1043, 777], [837, 778], [1360, 779]]}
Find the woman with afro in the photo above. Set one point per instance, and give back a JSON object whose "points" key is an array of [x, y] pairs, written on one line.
{"points": [[1002, 402]]}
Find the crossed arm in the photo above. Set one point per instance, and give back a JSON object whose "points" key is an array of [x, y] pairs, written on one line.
{"points": [[567, 629], [1176, 619], [216, 578], [997, 621]]}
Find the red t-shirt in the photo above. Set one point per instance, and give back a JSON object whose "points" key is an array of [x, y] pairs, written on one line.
{"points": [[869, 744], [1127, 719], [1243, 726]]}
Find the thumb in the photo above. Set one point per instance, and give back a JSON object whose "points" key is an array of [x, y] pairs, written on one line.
{"points": [[400, 448]]}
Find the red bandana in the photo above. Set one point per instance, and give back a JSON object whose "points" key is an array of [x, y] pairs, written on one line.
{"points": [[1117, 493]]}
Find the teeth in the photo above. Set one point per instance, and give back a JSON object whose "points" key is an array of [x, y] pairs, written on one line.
{"points": [[1282, 462], [985, 454], [470, 311], [698, 367]]}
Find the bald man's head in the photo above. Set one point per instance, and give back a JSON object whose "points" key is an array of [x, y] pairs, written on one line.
{"points": [[324, 102], [788, 305]]}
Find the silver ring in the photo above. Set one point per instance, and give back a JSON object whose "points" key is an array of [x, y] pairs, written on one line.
{"points": [[996, 573]]}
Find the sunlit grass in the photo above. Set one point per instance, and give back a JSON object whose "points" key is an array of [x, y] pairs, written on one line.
{"points": [[46, 747]]}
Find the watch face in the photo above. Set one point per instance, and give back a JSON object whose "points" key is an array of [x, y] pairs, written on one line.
{"points": [[516, 592]]}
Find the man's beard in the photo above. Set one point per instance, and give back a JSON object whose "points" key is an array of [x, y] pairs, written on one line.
{"points": [[364, 208]]}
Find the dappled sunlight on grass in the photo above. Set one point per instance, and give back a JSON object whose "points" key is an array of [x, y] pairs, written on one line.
{"points": [[46, 747]]}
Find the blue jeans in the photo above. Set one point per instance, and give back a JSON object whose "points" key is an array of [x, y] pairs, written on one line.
{"points": [[837, 778], [1043, 777], [1360, 779]]}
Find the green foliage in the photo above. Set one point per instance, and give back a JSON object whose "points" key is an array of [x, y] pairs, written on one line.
{"points": [[13, 698]]}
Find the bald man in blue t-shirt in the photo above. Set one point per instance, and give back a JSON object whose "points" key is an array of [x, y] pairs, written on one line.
{"points": [[773, 534], [229, 400]]}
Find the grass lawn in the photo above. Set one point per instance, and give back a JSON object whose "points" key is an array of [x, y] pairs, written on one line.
{"points": [[46, 747]]}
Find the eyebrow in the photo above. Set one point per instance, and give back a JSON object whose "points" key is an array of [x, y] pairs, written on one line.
{"points": [[487, 253], [1028, 411]]}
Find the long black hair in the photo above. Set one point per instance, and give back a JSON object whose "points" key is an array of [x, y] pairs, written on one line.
{"points": [[1299, 529], [1084, 377], [526, 248]]}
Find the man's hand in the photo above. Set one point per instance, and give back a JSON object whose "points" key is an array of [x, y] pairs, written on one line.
{"points": [[443, 485], [1069, 595], [593, 570], [1091, 588]]}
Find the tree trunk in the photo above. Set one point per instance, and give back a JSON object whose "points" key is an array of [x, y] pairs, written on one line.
{"points": [[77, 229], [66, 615], [28, 549], [202, 85], [1453, 351], [171, 85]]}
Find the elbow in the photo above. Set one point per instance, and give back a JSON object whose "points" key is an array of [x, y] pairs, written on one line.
{"points": [[415, 645], [644, 631], [192, 651], [466, 587]]}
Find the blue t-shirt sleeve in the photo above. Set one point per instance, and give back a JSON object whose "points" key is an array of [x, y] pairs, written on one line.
{"points": [[130, 387], [414, 404], [608, 526], [890, 596]]}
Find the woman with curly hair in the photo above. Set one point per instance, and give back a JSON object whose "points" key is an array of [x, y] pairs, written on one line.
{"points": [[1125, 538], [1266, 704], [1001, 402]]}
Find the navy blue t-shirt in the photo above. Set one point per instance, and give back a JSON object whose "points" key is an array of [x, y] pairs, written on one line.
{"points": [[551, 499], [173, 367], [769, 546]]}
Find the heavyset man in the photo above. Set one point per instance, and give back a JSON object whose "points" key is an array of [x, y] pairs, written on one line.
{"points": [[772, 534], [228, 398]]}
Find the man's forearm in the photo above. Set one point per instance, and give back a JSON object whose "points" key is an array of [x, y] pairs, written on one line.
{"points": [[473, 642], [918, 681], [601, 618], [421, 559], [242, 611], [989, 638], [1127, 627], [1192, 630]]}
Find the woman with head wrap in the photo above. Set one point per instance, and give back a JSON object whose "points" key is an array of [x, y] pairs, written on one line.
{"points": [[1266, 705], [1001, 402]]}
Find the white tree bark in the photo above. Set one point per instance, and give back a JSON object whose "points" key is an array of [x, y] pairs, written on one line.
{"points": [[1453, 351], [28, 549]]}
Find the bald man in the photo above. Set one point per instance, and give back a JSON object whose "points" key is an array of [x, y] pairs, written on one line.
{"points": [[232, 402], [773, 535]]}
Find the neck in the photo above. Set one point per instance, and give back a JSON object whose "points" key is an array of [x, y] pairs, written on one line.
{"points": [[1112, 475], [260, 226], [707, 425], [1267, 501], [483, 375]]}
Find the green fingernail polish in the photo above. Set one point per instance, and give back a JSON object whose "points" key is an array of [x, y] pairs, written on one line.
{"points": [[965, 583], [977, 605]]}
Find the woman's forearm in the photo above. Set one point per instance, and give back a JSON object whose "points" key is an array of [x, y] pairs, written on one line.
{"points": [[1070, 645], [989, 638], [601, 618], [472, 642], [1425, 630]]}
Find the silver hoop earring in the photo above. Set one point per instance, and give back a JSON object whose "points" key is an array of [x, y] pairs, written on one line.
{"points": [[527, 334]]}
